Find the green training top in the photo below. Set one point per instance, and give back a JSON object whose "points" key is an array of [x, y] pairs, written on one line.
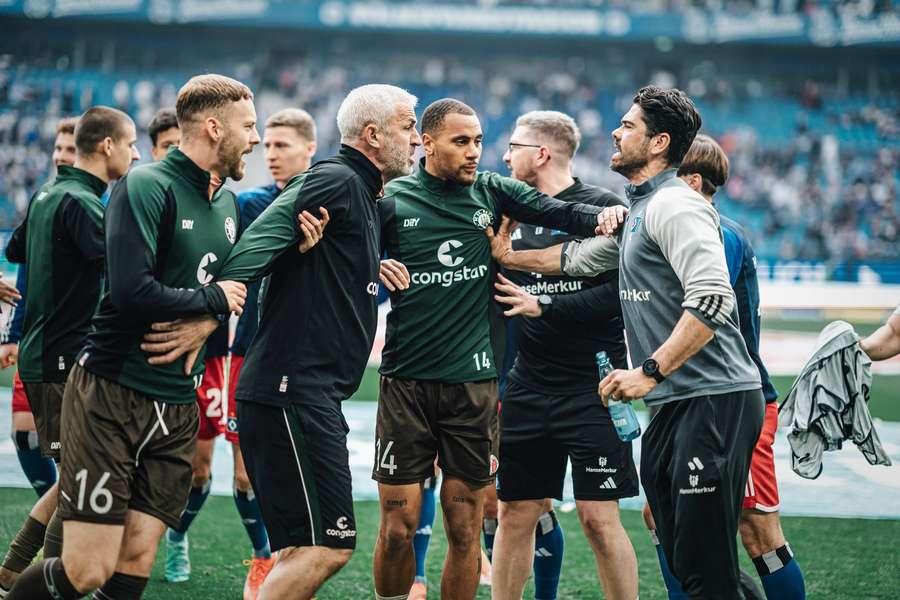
{"points": [[446, 327], [166, 241], [61, 240]]}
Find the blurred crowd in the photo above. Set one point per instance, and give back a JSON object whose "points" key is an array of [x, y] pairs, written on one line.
{"points": [[845, 8], [815, 197]]}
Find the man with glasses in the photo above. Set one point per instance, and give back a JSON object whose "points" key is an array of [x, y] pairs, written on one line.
{"points": [[551, 413], [682, 328]]}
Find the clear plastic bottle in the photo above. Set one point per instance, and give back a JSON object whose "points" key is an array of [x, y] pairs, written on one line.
{"points": [[622, 413]]}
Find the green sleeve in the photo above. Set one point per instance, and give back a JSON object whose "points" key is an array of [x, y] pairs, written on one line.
{"points": [[146, 201], [526, 204], [268, 237]]}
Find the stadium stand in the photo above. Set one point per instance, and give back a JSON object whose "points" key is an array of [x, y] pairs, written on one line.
{"points": [[814, 149]]}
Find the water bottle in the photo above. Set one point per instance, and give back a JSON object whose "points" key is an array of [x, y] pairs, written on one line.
{"points": [[622, 413]]}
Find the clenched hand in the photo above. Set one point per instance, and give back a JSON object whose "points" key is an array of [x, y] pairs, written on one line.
{"points": [[313, 229]]}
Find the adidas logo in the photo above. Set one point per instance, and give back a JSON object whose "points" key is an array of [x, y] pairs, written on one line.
{"points": [[542, 552], [609, 484], [695, 465]]}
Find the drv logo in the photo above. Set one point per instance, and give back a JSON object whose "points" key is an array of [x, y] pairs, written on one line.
{"points": [[202, 276], [443, 253]]}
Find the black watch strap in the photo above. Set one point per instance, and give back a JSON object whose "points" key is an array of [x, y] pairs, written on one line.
{"points": [[651, 369]]}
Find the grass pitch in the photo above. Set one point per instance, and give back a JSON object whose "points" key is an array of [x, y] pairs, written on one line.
{"points": [[840, 558]]}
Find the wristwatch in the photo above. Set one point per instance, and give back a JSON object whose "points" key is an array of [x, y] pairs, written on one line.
{"points": [[651, 369], [545, 303]]}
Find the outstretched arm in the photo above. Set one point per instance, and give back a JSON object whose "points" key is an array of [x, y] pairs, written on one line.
{"points": [[284, 226], [885, 341], [546, 261], [526, 204]]}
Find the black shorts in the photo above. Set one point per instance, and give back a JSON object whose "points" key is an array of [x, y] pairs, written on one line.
{"points": [[695, 456], [122, 450], [539, 433], [46, 405], [418, 420], [299, 466]]}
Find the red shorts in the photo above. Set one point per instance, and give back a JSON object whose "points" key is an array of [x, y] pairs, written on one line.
{"points": [[761, 492], [217, 411], [19, 399]]}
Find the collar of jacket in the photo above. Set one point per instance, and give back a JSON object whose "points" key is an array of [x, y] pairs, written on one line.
{"points": [[365, 167], [436, 184], [94, 183], [190, 172], [635, 192], [569, 190]]}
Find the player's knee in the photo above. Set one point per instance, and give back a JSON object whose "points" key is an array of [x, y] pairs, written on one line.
{"points": [[601, 529], [463, 538], [760, 533], [88, 575], [518, 516], [748, 538], [397, 535], [137, 558], [339, 557]]}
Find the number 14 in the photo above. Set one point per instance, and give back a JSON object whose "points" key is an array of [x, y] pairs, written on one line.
{"points": [[481, 361]]}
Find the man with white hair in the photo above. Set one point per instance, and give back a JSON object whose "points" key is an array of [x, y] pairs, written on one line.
{"points": [[315, 334]]}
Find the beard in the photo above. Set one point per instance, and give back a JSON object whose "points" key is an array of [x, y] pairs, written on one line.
{"points": [[631, 163], [228, 158], [395, 161]]}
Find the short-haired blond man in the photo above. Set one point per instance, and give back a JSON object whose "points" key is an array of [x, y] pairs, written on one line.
{"points": [[289, 140]]}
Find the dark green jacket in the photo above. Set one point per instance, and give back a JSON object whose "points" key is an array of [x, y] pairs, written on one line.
{"points": [[166, 241], [445, 326], [61, 240]]}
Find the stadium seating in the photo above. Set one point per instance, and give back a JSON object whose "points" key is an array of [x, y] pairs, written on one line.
{"points": [[814, 167]]}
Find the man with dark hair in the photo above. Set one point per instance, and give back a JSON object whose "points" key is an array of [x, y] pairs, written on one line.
{"points": [[164, 132], [64, 145], [130, 418], [705, 169], [682, 330], [438, 391], [61, 240], [40, 470]]}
